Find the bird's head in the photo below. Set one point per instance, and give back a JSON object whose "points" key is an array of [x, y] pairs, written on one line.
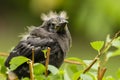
{"points": [[54, 22]]}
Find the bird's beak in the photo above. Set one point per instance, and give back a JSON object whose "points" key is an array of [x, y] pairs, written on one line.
{"points": [[63, 24], [61, 27]]}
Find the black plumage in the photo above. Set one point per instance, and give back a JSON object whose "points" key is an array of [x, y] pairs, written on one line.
{"points": [[52, 33]]}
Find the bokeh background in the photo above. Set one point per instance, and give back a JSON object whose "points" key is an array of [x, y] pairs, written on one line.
{"points": [[89, 20]]}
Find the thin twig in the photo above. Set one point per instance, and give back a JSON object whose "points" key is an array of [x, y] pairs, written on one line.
{"points": [[33, 52], [101, 52], [31, 69], [101, 72], [109, 43], [72, 62], [88, 68], [47, 61], [4, 54]]}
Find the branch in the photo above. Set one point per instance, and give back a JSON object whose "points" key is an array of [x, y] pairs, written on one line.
{"points": [[88, 68], [33, 52], [31, 69], [4, 54], [72, 62], [101, 52], [101, 73], [47, 61]]}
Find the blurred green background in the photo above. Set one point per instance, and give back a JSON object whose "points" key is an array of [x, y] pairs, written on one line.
{"points": [[89, 20]]}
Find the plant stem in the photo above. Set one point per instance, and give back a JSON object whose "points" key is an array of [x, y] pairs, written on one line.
{"points": [[101, 72], [31, 62], [47, 61], [33, 52], [31, 69], [88, 68], [4, 54], [72, 62], [103, 50]]}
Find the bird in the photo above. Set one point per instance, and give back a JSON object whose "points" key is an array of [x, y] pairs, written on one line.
{"points": [[52, 33]]}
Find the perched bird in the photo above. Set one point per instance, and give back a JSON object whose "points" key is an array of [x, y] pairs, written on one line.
{"points": [[52, 33]]}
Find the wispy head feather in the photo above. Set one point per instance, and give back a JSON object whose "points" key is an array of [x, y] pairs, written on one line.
{"points": [[27, 34], [52, 14]]}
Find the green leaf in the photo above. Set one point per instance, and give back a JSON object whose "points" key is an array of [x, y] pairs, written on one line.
{"points": [[116, 42], [61, 72], [26, 78], [97, 45], [54, 77], [108, 39], [116, 53], [2, 59], [38, 68], [44, 51], [86, 77], [118, 73], [94, 67], [17, 61], [2, 77], [53, 69], [66, 76], [3, 69], [92, 75], [76, 75], [109, 54], [108, 78], [73, 68], [113, 54], [40, 77]]}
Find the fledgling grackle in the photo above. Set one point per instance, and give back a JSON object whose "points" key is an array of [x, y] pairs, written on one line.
{"points": [[52, 33]]}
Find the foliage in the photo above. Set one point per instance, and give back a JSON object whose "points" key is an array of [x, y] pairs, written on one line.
{"points": [[17, 61], [97, 45], [70, 70]]}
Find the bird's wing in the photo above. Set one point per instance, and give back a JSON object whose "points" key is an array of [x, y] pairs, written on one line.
{"points": [[24, 48]]}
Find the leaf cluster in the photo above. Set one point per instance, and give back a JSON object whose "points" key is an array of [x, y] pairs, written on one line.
{"points": [[74, 68]]}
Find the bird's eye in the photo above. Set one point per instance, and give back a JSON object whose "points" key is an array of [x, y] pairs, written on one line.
{"points": [[52, 24]]}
